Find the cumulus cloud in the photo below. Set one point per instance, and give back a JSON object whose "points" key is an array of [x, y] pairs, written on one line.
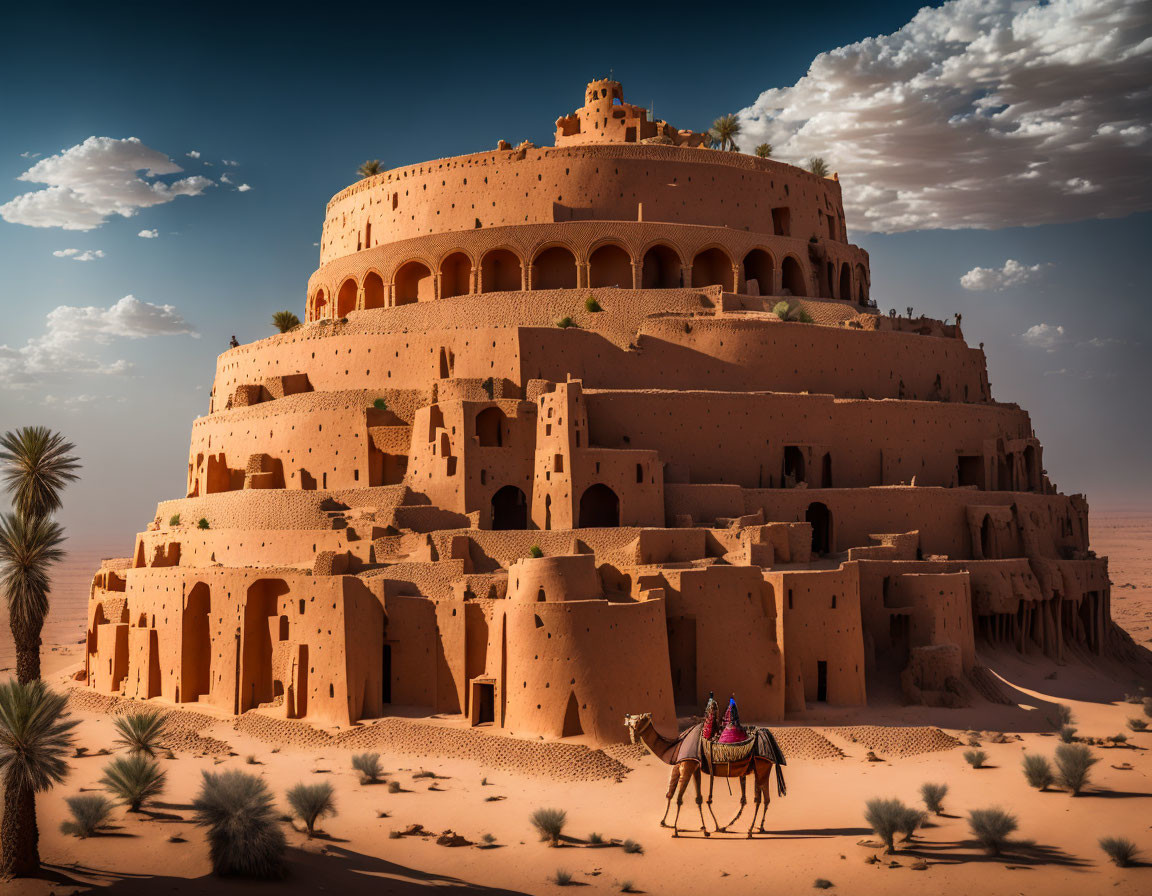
{"points": [[194, 154], [148, 234], [979, 113], [230, 163], [243, 188], [70, 331], [1013, 273], [77, 255], [96, 179], [1045, 336], [29, 155]]}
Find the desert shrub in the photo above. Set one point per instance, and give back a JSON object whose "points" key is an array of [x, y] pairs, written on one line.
{"points": [[535, 551], [549, 823], [1121, 850], [1068, 734], [975, 758], [1119, 739], [1073, 765], [565, 322], [1148, 706], [785, 311], [380, 404], [591, 304], [393, 786], [203, 524], [886, 818], [626, 886], [174, 520], [802, 316], [368, 764], [822, 883], [488, 839], [90, 812], [992, 827], [135, 779], [1062, 715], [1134, 698], [311, 802], [243, 836], [910, 821], [1038, 771], [251, 759], [1137, 724], [562, 878], [633, 848], [781, 309], [140, 732], [933, 796], [423, 773], [595, 838]]}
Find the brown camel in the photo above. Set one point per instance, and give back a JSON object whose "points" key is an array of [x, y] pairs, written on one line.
{"points": [[687, 768]]}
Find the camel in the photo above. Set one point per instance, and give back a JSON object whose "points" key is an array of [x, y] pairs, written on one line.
{"points": [[688, 768]]}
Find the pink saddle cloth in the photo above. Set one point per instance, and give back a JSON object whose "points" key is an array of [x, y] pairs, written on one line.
{"points": [[733, 734]]}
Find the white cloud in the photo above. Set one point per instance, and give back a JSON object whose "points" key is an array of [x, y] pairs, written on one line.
{"points": [[225, 179], [1045, 336], [243, 188], [1013, 273], [70, 331], [230, 163], [29, 155], [148, 234], [194, 154], [978, 113], [77, 255], [96, 179]]}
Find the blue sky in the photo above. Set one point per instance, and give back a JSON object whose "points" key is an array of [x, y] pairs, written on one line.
{"points": [[1049, 172]]}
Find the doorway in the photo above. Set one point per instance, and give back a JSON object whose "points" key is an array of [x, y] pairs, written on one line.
{"points": [[822, 681]]}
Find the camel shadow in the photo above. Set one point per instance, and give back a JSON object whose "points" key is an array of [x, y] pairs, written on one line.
{"points": [[1018, 853], [815, 833]]}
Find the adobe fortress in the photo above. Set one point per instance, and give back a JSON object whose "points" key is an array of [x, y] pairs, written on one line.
{"points": [[435, 496]]}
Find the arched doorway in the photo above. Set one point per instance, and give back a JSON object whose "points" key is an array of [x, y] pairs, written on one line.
{"points": [[845, 292], [501, 271], [490, 428], [793, 465], [662, 269], [862, 284], [554, 268], [455, 275], [509, 509], [256, 673], [319, 305], [413, 283], [758, 266], [196, 645], [610, 265], [712, 267], [820, 517], [599, 507], [346, 298], [373, 290], [792, 278]]}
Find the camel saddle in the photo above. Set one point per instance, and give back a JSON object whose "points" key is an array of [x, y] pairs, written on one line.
{"points": [[716, 753], [691, 744]]}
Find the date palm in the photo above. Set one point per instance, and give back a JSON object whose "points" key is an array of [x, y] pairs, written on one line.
{"points": [[818, 166], [724, 131], [372, 166], [35, 734], [29, 546], [764, 151], [285, 321], [35, 465]]}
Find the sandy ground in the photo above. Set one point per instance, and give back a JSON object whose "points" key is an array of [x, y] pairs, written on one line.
{"points": [[815, 831]]}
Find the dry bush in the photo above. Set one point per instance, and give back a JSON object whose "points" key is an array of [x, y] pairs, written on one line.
{"points": [[243, 836], [311, 802], [1038, 771], [933, 796], [549, 823], [90, 813], [992, 828]]}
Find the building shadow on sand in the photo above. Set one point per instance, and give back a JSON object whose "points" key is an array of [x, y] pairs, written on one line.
{"points": [[336, 870]]}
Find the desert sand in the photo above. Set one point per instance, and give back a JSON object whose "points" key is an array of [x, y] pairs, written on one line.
{"points": [[489, 784]]}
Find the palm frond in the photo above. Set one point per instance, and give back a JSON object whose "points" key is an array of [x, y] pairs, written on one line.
{"points": [[135, 779], [35, 735], [29, 546], [285, 321], [35, 465], [140, 732]]}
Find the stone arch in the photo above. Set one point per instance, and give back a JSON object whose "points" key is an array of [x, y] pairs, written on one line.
{"points": [[554, 268], [599, 507], [501, 270], [509, 509], [759, 266], [845, 291], [712, 267], [261, 613], [373, 290], [346, 298], [792, 280], [820, 517], [319, 304], [455, 275], [412, 282], [793, 465], [610, 265], [196, 645], [861, 284], [662, 268], [490, 427]]}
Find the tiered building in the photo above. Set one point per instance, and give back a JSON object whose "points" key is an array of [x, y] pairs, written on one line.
{"points": [[589, 429]]}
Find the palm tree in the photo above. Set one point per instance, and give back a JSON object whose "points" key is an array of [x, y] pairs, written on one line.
{"points": [[141, 731], [764, 151], [818, 166], [724, 132], [372, 166], [285, 321], [36, 464], [34, 736], [28, 548]]}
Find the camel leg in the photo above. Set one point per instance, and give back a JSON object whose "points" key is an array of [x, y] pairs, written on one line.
{"points": [[765, 785], [743, 801], [671, 792], [711, 781], [699, 801], [685, 775], [756, 805]]}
